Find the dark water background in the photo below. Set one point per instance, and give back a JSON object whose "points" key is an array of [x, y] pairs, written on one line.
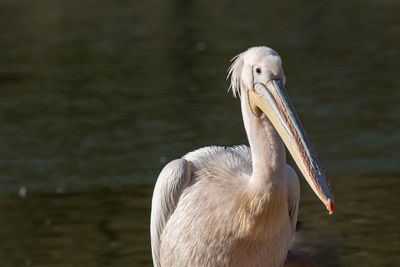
{"points": [[96, 96]]}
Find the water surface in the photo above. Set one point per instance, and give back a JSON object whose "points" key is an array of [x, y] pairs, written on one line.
{"points": [[96, 96]]}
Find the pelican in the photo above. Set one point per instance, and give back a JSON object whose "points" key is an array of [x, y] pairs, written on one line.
{"points": [[237, 206]]}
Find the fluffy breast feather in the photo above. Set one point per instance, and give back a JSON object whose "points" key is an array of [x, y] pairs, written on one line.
{"points": [[220, 217]]}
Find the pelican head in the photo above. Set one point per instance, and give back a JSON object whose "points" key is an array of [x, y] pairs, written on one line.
{"points": [[258, 73]]}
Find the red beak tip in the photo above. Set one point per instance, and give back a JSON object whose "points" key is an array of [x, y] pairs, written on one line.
{"points": [[330, 206]]}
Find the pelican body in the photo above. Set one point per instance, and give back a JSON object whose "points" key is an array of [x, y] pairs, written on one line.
{"points": [[237, 206]]}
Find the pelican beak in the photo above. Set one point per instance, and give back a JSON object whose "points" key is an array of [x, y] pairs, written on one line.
{"points": [[270, 97]]}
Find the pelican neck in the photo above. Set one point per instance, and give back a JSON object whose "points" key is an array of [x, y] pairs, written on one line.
{"points": [[267, 148]]}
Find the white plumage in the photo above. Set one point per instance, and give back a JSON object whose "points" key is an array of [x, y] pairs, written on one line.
{"points": [[237, 206]]}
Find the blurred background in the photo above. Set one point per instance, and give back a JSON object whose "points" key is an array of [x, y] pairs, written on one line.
{"points": [[97, 96]]}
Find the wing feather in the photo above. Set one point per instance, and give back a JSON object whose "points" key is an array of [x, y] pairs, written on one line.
{"points": [[293, 195], [173, 179]]}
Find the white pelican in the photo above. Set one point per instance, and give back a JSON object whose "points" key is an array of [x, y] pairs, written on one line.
{"points": [[237, 206]]}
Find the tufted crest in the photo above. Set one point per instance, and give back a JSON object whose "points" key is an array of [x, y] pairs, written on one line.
{"points": [[235, 70]]}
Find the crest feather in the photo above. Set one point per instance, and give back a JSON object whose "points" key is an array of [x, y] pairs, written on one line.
{"points": [[235, 71]]}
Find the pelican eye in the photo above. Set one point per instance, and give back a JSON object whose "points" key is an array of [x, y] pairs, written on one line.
{"points": [[258, 70]]}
